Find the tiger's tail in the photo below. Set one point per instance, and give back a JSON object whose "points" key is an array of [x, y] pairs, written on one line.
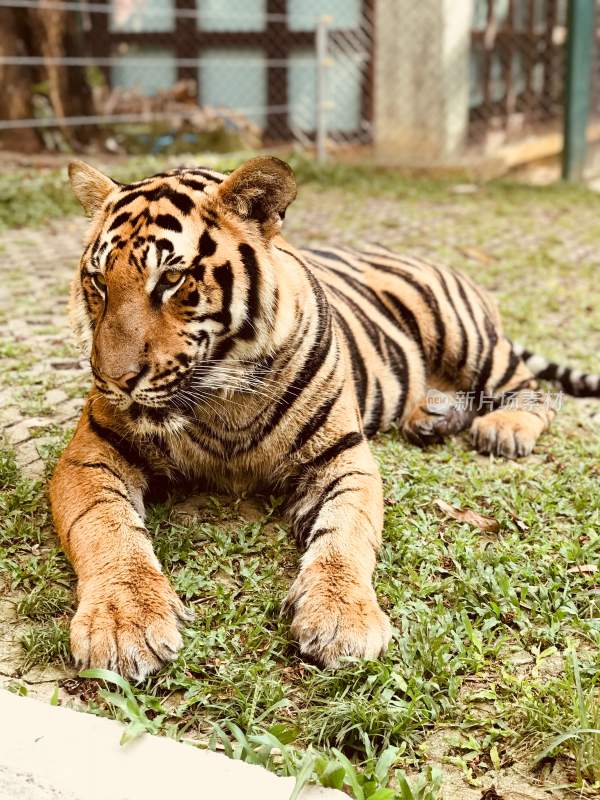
{"points": [[572, 381]]}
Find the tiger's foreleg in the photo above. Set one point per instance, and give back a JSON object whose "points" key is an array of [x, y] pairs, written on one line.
{"points": [[128, 616], [522, 415], [337, 517]]}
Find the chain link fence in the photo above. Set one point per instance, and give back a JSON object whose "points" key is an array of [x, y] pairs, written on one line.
{"points": [[415, 83]]}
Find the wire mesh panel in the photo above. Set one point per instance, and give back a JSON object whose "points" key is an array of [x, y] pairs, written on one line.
{"points": [[418, 82], [517, 66], [165, 73]]}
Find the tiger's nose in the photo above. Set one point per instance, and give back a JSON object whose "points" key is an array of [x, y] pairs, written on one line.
{"points": [[127, 380]]}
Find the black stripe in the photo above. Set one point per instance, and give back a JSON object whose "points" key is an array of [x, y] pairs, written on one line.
{"points": [[334, 257], [95, 465], [94, 250], [345, 442], [486, 369], [471, 313], [511, 367], [169, 222], [224, 277], [316, 534], [134, 261], [118, 221], [399, 366], [199, 186], [247, 330], [116, 492], [464, 344], [304, 528], [206, 245], [408, 318], [124, 448], [365, 291], [390, 351], [566, 382], [304, 523], [549, 373], [376, 413], [206, 174], [315, 423], [359, 371], [83, 513], [181, 201], [222, 348], [124, 201], [311, 365], [430, 301], [372, 331]]}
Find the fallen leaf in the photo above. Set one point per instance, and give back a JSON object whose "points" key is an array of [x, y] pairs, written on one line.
{"points": [[488, 524], [584, 569], [476, 254], [522, 526]]}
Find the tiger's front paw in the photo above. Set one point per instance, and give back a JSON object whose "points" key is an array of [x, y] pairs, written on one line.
{"points": [[332, 621], [128, 623]]}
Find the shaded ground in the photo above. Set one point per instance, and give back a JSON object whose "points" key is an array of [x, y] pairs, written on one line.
{"points": [[480, 676]]}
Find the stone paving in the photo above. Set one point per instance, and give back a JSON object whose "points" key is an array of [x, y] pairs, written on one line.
{"points": [[42, 376]]}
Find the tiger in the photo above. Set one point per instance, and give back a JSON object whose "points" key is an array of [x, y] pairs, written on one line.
{"points": [[224, 357]]}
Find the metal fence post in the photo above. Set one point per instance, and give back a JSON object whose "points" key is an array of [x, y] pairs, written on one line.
{"points": [[577, 89], [321, 106]]}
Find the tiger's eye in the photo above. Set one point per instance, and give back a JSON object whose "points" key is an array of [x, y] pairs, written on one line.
{"points": [[99, 281], [171, 276]]}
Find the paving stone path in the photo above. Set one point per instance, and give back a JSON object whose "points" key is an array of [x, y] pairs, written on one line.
{"points": [[41, 373]]}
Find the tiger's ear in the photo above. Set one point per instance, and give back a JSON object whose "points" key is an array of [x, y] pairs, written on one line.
{"points": [[260, 190], [90, 186]]}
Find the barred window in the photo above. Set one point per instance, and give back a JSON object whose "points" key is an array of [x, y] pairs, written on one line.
{"points": [[235, 78], [137, 16]]}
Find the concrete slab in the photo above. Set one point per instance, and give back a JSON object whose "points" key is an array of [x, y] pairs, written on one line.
{"points": [[53, 753]]}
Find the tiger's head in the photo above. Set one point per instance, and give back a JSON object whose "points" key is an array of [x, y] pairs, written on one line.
{"points": [[176, 279]]}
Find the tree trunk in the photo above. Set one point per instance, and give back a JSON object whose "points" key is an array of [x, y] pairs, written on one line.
{"points": [[57, 34], [15, 80], [52, 34]]}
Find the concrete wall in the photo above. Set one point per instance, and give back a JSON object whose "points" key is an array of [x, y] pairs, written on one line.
{"points": [[421, 78], [49, 753]]}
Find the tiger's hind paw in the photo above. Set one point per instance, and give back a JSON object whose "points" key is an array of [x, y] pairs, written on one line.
{"points": [[425, 427], [507, 432]]}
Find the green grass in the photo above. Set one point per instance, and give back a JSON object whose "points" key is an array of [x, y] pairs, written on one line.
{"points": [[463, 604], [31, 197], [487, 624]]}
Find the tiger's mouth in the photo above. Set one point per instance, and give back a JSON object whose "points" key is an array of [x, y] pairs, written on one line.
{"points": [[203, 381], [183, 394]]}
